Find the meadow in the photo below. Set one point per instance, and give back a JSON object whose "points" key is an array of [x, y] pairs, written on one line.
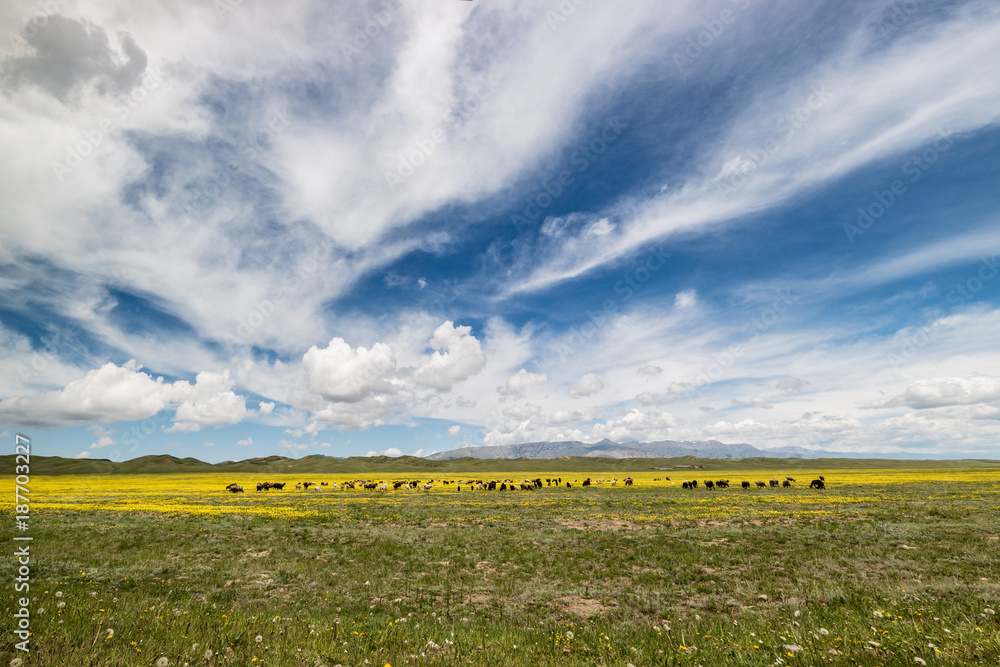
{"points": [[886, 566]]}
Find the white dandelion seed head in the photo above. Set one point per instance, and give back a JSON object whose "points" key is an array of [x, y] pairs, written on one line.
{"points": [[569, 634], [258, 639], [208, 653], [824, 631], [162, 661], [920, 661], [58, 594]]}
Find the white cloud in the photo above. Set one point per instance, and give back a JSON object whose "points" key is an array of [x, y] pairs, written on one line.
{"points": [[650, 371], [453, 430], [209, 444], [686, 299], [265, 408], [943, 391], [587, 385], [457, 356], [82, 455], [341, 373], [245, 443], [517, 384], [392, 451]]}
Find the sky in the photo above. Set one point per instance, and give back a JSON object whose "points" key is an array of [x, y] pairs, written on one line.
{"points": [[235, 229]]}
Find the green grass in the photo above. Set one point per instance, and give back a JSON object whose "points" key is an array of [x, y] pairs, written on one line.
{"points": [[489, 572]]}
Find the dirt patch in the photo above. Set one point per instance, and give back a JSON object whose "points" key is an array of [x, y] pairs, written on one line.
{"points": [[256, 554], [603, 524], [480, 598], [582, 606]]}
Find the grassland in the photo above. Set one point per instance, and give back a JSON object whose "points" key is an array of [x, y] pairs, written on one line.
{"points": [[885, 566]]}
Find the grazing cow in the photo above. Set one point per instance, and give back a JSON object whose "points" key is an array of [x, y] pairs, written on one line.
{"points": [[586, 482], [710, 485], [299, 487], [427, 486], [786, 484], [615, 482], [817, 484], [790, 479], [235, 488], [745, 484], [694, 484], [332, 486], [383, 487], [323, 484], [685, 485], [821, 478], [261, 486], [760, 483], [774, 483], [568, 485], [628, 481], [722, 484]]}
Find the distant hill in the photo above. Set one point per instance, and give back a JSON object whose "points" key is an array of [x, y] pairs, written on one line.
{"points": [[708, 449]]}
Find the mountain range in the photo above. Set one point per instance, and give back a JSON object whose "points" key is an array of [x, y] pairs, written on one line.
{"points": [[708, 449]]}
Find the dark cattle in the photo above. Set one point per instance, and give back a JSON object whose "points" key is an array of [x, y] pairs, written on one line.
{"points": [[790, 479], [774, 483], [586, 482], [710, 485], [568, 485], [278, 485], [821, 478], [261, 486], [817, 484], [503, 486], [722, 484], [786, 484], [760, 484], [694, 484], [685, 485], [745, 485], [235, 488], [628, 481]]}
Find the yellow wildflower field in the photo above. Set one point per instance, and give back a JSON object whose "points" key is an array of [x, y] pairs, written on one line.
{"points": [[655, 496]]}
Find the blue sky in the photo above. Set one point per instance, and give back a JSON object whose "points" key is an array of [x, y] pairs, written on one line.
{"points": [[236, 230]]}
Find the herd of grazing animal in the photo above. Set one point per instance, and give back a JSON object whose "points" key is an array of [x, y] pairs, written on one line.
{"points": [[761, 484], [511, 485]]}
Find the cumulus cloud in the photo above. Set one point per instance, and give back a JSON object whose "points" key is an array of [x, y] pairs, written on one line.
{"points": [[82, 455], [245, 443], [587, 385], [341, 373], [392, 451], [686, 299], [209, 444], [943, 391], [458, 355], [453, 430], [70, 54], [103, 435], [520, 382], [649, 371], [265, 408], [790, 384]]}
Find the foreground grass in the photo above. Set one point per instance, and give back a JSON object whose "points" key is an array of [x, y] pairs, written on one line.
{"points": [[879, 569]]}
